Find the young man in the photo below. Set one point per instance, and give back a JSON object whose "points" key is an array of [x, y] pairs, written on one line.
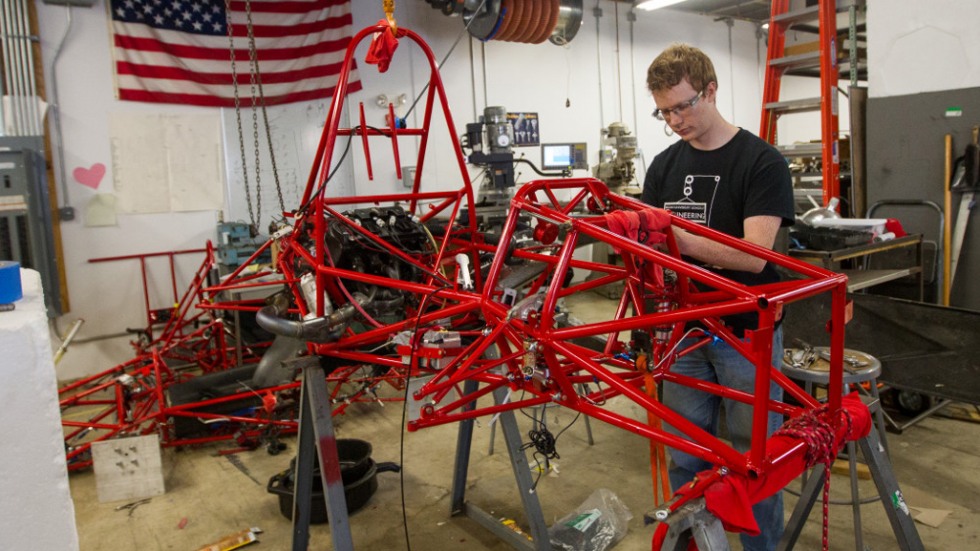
{"points": [[734, 182]]}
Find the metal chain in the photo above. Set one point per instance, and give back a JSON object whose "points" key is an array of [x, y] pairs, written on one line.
{"points": [[238, 112], [257, 81], [272, 153], [252, 70], [258, 99]]}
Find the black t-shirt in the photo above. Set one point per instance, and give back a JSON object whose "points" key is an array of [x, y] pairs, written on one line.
{"points": [[721, 188]]}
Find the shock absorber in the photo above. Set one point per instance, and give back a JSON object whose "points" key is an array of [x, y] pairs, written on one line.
{"points": [[662, 304], [663, 301]]}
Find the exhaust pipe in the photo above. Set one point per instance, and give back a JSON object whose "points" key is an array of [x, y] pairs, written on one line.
{"points": [[318, 330]]}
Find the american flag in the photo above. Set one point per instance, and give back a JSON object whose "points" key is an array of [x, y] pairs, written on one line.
{"points": [[178, 51]]}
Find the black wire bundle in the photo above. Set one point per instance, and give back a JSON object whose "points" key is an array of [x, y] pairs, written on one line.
{"points": [[543, 442]]}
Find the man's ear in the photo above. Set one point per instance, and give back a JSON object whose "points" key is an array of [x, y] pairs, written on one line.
{"points": [[710, 90]]}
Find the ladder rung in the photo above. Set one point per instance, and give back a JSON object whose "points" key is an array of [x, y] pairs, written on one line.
{"points": [[843, 70], [813, 12], [790, 17], [801, 150], [795, 106], [809, 59]]}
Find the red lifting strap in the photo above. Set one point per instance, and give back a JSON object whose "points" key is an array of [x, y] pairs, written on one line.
{"points": [[382, 48], [645, 226]]}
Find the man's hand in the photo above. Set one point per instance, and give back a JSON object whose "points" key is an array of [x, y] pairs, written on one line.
{"points": [[759, 230]]}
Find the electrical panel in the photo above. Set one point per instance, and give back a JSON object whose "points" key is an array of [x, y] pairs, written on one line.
{"points": [[26, 227]]}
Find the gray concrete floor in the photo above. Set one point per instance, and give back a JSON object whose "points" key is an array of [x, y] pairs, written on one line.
{"points": [[208, 496]]}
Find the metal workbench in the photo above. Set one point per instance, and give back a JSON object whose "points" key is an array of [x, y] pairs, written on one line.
{"points": [[923, 348]]}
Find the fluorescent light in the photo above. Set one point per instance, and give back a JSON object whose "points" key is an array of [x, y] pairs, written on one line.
{"points": [[650, 5]]}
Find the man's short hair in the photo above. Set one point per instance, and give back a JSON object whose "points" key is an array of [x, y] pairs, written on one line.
{"points": [[677, 62]]}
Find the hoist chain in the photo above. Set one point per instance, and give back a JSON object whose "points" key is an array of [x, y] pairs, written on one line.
{"points": [[258, 100], [252, 67], [257, 82], [238, 114]]}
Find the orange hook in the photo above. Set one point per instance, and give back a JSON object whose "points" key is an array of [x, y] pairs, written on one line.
{"points": [[389, 6]]}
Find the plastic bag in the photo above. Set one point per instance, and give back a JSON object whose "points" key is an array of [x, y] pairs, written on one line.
{"points": [[597, 524]]}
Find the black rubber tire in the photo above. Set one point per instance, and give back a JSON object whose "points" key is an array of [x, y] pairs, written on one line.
{"points": [[912, 403]]}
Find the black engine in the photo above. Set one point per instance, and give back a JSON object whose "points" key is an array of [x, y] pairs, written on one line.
{"points": [[351, 249]]}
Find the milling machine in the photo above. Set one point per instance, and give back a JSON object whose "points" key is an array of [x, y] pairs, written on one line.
{"points": [[616, 154]]}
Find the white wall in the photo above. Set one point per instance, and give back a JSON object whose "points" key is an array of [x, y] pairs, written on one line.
{"points": [[536, 78], [916, 46]]}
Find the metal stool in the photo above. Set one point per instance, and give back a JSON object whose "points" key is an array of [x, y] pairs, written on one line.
{"points": [[812, 368]]}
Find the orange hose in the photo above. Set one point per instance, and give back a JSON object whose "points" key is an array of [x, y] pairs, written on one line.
{"points": [[529, 23], [508, 16], [658, 455], [546, 25]]}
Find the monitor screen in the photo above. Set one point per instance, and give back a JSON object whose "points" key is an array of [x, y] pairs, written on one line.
{"points": [[556, 156], [559, 156]]}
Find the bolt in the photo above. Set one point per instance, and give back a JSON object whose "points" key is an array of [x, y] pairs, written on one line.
{"points": [[661, 514]]}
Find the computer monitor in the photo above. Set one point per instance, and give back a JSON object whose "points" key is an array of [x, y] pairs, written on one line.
{"points": [[559, 156]]}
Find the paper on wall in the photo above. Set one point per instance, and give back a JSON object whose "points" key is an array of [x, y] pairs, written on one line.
{"points": [[164, 163]]}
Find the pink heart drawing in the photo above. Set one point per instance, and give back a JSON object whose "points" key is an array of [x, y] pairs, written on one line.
{"points": [[90, 177]]}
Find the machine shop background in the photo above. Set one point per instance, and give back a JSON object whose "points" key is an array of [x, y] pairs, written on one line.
{"points": [[577, 90]]}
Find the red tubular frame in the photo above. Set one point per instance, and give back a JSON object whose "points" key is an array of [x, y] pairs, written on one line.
{"points": [[170, 255]]}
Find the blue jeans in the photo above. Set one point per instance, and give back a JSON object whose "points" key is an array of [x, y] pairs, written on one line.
{"points": [[720, 363]]}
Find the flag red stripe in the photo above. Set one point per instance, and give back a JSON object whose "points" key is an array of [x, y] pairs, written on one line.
{"points": [[177, 73], [131, 82], [216, 101], [287, 7], [272, 31], [221, 54]]}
